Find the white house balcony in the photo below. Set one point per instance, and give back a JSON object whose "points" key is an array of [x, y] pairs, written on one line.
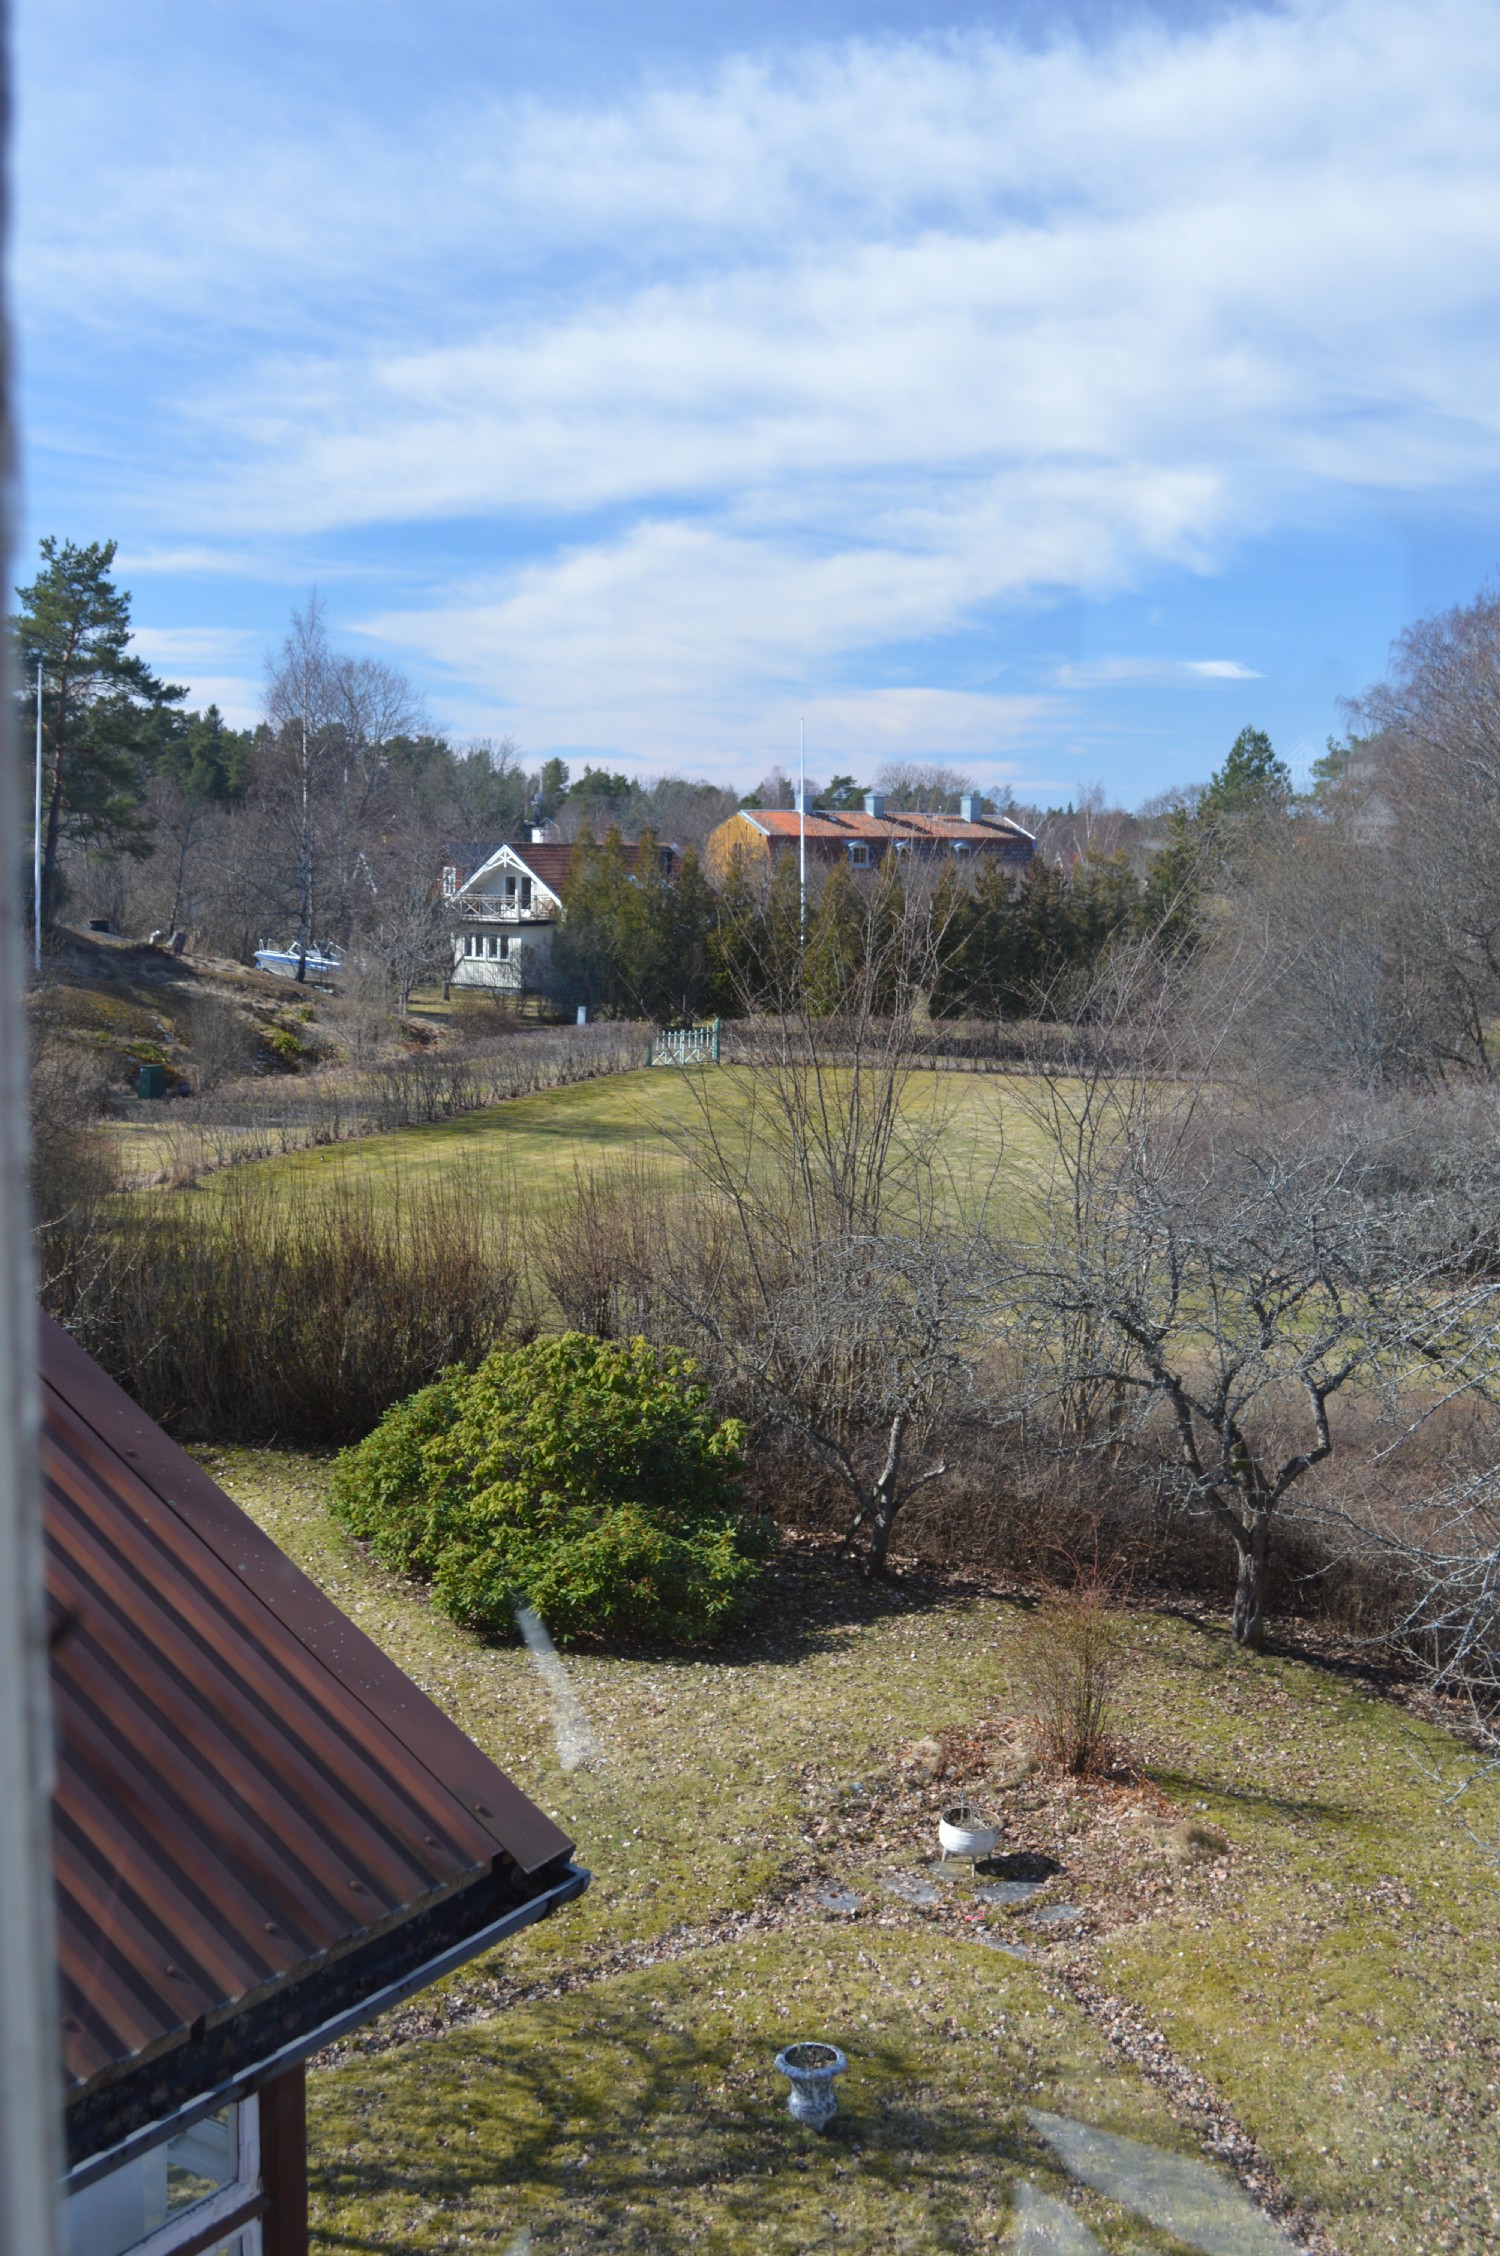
{"points": [[494, 908]]}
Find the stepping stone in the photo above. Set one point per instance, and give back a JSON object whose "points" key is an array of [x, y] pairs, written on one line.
{"points": [[1041, 2226], [1018, 1864], [910, 1887], [1007, 1950], [837, 1899], [1055, 1915], [1200, 2206], [1007, 1891]]}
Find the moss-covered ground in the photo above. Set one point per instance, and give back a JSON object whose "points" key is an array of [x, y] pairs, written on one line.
{"points": [[1335, 1978]]}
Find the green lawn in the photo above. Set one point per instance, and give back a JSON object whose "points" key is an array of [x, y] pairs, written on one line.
{"points": [[624, 1119], [1336, 1979]]}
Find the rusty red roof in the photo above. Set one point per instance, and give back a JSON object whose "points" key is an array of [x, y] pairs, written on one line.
{"points": [[854, 823], [246, 1786]]}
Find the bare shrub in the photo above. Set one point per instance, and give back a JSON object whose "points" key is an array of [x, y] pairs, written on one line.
{"points": [[222, 1041], [593, 1249], [294, 1312], [1069, 1672], [72, 1165]]}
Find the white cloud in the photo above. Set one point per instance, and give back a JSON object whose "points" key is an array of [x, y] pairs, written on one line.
{"points": [[172, 648], [1110, 673], [841, 354]]}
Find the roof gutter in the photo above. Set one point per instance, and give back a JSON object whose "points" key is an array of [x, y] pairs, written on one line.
{"points": [[262, 2071]]}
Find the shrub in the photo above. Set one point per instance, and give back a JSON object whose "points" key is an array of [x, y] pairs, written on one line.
{"points": [[1069, 1671], [581, 1476]]}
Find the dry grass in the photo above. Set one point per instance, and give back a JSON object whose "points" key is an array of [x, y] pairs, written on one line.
{"points": [[1332, 1977]]}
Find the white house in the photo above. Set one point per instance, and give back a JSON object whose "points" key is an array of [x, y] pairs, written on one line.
{"points": [[505, 916], [507, 903]]}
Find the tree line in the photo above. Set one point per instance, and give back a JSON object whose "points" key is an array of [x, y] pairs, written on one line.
{"points": [[1366, 901]]}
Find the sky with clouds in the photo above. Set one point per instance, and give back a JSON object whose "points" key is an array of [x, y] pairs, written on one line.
{"points": [[1050, 391]]}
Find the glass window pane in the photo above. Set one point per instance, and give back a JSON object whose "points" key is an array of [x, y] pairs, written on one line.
{"points": [[202, 2160], [120, 2211]]}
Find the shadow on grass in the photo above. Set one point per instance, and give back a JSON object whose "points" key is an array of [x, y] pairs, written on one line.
{"points": [[1189, 1786], [593, 2134]]}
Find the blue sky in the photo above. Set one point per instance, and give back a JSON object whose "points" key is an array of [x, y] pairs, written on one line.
{"points": [[1049, 392]]}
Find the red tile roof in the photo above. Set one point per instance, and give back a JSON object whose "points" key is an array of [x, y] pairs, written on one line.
{"points": [[825, 823]]}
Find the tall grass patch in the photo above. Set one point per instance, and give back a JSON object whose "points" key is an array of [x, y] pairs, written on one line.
{"points": [[284, 1310]]}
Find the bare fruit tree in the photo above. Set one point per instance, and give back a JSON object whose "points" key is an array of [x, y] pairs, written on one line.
{"points": [[834, 1270], [1235, 1271]]}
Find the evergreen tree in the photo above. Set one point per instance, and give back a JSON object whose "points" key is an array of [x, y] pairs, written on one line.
{"points": [[1168, 912], [1252, 780], [692, 983], [202, 756], [1103, 900], [836, 941], [101, 706]]}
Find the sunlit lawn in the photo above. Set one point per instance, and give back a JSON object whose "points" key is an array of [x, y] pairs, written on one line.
{"points": [[534, 1147], [1337, 1980]]}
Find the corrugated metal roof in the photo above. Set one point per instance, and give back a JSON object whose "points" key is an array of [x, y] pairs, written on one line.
{"points": [[246, 1784]]}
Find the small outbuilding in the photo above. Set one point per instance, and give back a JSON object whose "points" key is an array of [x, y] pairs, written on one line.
{"points": [[264, 1835]]}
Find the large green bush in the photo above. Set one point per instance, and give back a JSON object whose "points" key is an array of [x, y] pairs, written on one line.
{"points": [[581, 1476]]}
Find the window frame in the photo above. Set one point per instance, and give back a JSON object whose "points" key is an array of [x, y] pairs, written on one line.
{"points": [[236, 2208]]}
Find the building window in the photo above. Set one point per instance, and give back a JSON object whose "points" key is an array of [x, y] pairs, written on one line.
{"points": [[859, 856], [505, 943], [526, 892], [961, 846], [450, 882], [173, 2195], [510, 889]]}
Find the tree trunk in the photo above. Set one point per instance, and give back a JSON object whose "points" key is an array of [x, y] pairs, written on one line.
{"points": [[884, 1497], [882, 1520], [1251, 1586]]}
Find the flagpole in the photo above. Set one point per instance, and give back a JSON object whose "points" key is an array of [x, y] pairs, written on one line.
{"points": [[36, 832]]}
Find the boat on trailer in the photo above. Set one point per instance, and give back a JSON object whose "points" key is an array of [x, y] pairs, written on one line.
{"points": [[319, 963]]}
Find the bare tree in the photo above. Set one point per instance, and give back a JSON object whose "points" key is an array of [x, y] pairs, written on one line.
{"points": [[402, 925], [922, 786], [369, 703], [834, 1271], [1239, 1269], [301, 704]]}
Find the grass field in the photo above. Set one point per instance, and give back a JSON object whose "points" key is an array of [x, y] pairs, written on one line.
{"points": [[1335, 1978], [533, 1147]]}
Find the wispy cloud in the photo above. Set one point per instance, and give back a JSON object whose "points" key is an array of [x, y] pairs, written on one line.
{"points": [[733, 385], [1111, 673]]}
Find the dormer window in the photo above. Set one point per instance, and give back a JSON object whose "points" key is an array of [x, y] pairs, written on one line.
{"points": [[859, 855], [961, 846]]}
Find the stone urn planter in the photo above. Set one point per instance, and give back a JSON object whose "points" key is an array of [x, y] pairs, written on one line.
{"points": [[810, 2070], [963, 1832]]}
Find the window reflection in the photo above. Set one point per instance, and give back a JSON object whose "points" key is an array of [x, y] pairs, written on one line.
{"points": [[122, 2211]]}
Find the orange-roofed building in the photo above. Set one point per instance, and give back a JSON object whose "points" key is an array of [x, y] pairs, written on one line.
{"points": [[764, 836]]}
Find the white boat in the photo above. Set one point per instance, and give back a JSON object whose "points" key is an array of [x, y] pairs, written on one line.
{"points": [[321, 963]]}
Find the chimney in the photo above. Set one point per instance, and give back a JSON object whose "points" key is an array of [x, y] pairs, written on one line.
{"points": [[971, 806], [798, 795], [875, 803]]}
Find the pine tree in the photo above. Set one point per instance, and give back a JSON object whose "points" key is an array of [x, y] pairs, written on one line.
{"points": [[100, 706]]}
